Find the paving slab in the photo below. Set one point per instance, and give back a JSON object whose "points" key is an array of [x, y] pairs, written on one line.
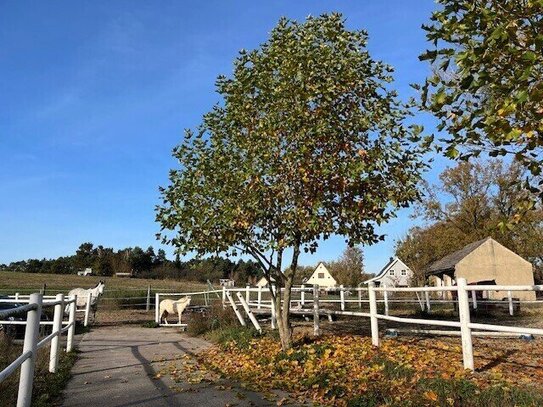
{"points": [[125, 366]]}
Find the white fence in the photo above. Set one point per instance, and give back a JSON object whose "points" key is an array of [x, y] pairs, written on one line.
{"points": [[27, 360], [463, 301]]}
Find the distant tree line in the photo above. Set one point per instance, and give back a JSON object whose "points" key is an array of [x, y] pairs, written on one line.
{"points": [[147, 263]]}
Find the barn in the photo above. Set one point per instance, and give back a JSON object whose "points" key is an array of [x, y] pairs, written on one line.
{"points": [[485, 262]]}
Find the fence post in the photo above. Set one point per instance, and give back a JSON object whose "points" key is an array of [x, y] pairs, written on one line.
{"points": [[32, 329], [463, 311], [16, 296], [302, 295], [316, 325], [224, 297], [157, 308], [148, 303], [273, 316], [71, 329], [42, 291], [57, 327], [342, 297], [474, 298], [87, 309], [359, 297], [249, 312], [427, 297], [247, 293], [235, 308], [510, 298], [385, 298], [373, 314], [259, 297]]}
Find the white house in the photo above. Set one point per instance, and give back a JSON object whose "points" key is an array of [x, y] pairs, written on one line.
{"points": [[394, 274], [321, 277]]}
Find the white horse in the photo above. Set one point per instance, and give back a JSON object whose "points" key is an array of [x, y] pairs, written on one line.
{"points": [[168, 307], [83, 295]]}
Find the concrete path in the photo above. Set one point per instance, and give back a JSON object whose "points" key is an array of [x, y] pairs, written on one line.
{"points": [[132, 366]]}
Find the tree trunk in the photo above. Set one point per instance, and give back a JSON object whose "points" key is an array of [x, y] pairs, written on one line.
{"points": [[282, 308]]}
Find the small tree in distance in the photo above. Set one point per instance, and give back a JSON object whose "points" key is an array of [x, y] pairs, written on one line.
{"points": [[308, 141], [348, 270]]}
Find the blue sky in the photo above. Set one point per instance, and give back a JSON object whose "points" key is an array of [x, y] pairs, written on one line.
{"points": [[94, 96]]}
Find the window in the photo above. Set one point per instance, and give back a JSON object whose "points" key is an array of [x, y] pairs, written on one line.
{"points": [[391, 272], [404, 272], [321, 275]]}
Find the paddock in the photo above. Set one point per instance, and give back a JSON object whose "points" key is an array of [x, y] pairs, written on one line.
{"points": [[251, 304]]}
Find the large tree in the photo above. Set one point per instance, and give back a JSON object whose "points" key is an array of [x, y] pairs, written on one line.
{"points": [[308, 141], [474, 200], [486, 88]]}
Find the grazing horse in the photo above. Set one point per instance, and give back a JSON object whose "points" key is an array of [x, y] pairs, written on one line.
{"points": [[83, 296], [168, 307]]}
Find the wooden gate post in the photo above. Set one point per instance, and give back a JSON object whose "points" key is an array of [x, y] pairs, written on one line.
{"points": [[385, 298], [57, 329], [316, 325], [427, 297], [373, 314], [26, 378], [157, 308], [465, 330], [71, 321], [342, 297], [87, 309], [148, 303]]}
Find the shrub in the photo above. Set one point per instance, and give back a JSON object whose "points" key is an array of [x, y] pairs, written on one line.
{"points": [[214, 318]]}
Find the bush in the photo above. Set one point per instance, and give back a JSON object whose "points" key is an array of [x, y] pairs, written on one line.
{"points": [[214, 318]]}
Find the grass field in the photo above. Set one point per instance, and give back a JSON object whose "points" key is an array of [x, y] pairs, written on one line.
{"points": [[120, 294], [11, 282]]}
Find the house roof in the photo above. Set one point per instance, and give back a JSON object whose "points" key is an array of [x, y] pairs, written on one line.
{"points": [[451, 260], [383, 271]]}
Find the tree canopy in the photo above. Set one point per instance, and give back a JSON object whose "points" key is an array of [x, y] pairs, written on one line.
{"points": [[307, 141], [349, 270], [474, 200], [486, 88]]}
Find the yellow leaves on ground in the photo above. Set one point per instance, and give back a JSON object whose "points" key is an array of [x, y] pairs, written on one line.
{"points": [[332, 370]]}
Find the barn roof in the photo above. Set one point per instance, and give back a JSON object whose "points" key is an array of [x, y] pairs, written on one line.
{"points": [[450, 261]]}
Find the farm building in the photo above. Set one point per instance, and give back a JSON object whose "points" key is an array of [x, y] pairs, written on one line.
{"points": [[394, 274], [86, 272], [227, 282], [485, 262], [321, 277], [263, 282]]}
